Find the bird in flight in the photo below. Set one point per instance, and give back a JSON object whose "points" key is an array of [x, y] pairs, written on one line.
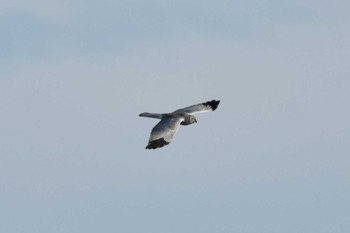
{"points": [[163, 132]]}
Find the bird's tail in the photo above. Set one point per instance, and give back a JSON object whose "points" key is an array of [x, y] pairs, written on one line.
{"points": [[151, 115]]}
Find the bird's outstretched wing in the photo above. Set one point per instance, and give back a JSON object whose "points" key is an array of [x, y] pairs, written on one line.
{"points": [[198, 108], [163, 133]]}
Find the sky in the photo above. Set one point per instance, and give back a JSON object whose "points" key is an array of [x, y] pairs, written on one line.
{"points": [[274, 157]]}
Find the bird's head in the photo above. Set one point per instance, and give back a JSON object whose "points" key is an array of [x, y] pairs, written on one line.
{"points": [[193, 119], [189, 119]]}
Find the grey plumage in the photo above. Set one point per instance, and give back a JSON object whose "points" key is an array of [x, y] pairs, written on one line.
{"points": [[163, 132], [151, 115]]}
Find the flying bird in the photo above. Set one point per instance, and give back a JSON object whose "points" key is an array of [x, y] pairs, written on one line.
{"points": [[163, 132]]}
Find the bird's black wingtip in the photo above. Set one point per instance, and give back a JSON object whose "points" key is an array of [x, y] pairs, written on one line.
{"points": [[212, 104], [157, 144]]}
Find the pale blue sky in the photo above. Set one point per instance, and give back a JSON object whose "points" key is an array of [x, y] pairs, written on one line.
{"points": [[274, 157]]}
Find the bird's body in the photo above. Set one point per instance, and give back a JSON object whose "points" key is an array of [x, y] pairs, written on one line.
{"points": [[163, 133]]}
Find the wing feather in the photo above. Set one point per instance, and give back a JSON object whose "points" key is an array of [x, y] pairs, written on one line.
{"points": [[163, 132], [208, 106]]}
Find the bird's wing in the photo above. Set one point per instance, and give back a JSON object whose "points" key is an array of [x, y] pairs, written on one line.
{"points": [[163, 133], [198, 108]]}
